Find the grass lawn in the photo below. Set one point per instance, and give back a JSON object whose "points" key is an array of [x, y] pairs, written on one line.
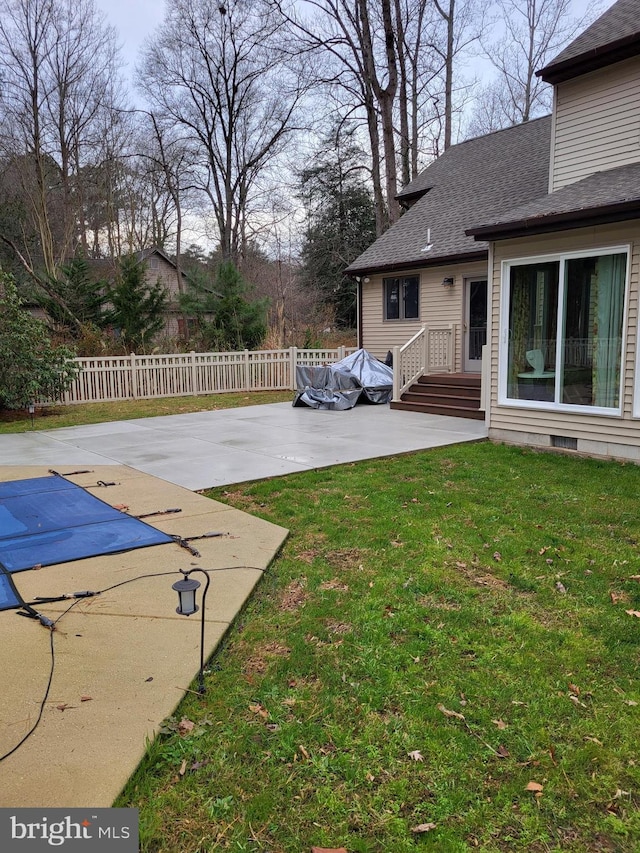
{"points": [[444, 657], [52, 417]]}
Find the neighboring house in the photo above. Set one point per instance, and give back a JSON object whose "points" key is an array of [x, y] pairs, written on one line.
{"points": [[563, 352], [159, 268]]}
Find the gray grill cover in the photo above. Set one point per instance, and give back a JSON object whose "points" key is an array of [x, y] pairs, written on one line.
{"points": [[357, 378]]}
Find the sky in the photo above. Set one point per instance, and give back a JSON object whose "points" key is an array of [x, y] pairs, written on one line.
{"points": [[136, 19]]}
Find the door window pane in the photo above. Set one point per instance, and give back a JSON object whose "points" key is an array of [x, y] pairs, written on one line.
{"points": [[477, 337], [533, 311], [593, 317]]}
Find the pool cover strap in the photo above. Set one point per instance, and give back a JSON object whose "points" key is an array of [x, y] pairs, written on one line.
{"points": [[48, 520]]}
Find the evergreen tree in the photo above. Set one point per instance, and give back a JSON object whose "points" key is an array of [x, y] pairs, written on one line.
{"points": [[227, 316], [138, 307], [31, 369], [80, 300], [340, 225]]}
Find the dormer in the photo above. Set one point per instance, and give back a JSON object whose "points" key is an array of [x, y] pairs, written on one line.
{"points": [[596, 112]]}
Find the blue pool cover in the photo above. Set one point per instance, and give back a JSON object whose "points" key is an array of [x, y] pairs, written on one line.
{"points": [[48, 520]]}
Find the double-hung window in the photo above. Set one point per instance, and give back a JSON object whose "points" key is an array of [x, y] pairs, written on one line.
{"points": [[401, 298], [563, 328]]}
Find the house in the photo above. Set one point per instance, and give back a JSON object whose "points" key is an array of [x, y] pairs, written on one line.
{"points": [[562, 363], [159, 268], [426, 269]]}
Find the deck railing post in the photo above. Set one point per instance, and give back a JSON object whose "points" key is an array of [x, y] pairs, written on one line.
{"points": [[247, 371], [293, 360], [134, 376], [396, 374], [425, 350], [194, 374]]}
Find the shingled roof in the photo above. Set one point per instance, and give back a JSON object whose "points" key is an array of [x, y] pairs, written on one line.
{"points": [[613, 37], [608, 196], [471, 182]]}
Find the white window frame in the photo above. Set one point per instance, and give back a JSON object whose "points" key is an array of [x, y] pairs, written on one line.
{"points": [[503, 349]]}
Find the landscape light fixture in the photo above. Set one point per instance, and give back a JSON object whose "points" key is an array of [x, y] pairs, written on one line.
{"points": [[186, 589], [448, 281]]}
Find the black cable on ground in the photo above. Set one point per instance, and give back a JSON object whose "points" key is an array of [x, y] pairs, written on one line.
{"points": [[78, 597]]}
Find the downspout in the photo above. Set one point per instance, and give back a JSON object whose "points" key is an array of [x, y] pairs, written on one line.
{"points": [[358, 311], [489, 349]]}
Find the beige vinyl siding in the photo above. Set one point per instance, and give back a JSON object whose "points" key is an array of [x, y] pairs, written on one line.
{"points": [[438, 306], [594, 432], [597, 123]]}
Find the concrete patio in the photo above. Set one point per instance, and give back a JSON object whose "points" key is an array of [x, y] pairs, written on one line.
{"points": [[124, 659], [206, 449]]}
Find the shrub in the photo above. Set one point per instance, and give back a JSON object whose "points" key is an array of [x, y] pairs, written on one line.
{"points": [[31, 368]]}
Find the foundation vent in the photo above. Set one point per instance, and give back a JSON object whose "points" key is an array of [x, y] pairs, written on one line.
{"points": [[564, 441]]}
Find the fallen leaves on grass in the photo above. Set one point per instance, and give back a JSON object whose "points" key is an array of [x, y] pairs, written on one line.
{"points": [[635, 613], [536, 787], [499, 724], [294, 596], [328, 850], [617, 597], [185, 726], [334, 583], [423, 827], [415, 755], [260, 710], [449, 713]]}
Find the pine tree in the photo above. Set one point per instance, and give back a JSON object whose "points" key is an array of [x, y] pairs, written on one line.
{"points": [[227, 316], [138, 307]]}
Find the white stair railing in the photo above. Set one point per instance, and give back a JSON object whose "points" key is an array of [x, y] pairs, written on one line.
{"points": [[430, 350]]}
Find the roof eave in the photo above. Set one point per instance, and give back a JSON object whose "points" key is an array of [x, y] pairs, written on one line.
{"points": [[618, 212], [600, 57], [419, 263]]}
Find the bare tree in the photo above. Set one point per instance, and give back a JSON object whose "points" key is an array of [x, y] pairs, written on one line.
{"points": [[58, 62], [355, 50], [387, 65], [534, 32], [220, 75]]}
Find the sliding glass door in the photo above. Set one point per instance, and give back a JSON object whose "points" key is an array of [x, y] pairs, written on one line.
{"points": [[565, 320]]}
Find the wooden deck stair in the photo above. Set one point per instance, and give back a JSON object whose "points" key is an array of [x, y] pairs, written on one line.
{"points": [[454, 394]]}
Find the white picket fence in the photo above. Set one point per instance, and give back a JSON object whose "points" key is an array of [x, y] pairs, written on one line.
{"points": [[131, 377]]}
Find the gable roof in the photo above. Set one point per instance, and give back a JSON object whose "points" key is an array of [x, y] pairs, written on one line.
{"points": [[608, 196], [469, 182], [614, 36]]}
